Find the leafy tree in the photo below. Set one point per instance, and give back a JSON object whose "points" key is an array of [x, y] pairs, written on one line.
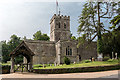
{"points": [[5, 52], [73, 38], [39, 36], [8, 47], [111, 42], [90, 21], [115, 22], [14, 42], [115, 40]]}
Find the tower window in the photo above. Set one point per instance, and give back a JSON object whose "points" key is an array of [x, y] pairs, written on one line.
{"points": [[64, 25], [68, 51], [59, 24]]}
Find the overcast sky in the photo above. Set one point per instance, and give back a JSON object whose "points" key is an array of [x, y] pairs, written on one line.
{"points": [[24, 18]]}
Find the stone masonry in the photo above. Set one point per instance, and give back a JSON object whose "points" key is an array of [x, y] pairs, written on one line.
{"points": [[59, 46]]}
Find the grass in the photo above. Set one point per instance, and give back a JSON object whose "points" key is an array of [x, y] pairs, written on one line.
{"points": [[82, 64], [5, 64]]}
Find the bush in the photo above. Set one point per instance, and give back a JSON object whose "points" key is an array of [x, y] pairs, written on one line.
{"points": [[66, 60], [110, 60], [86, 61], [5, 69], [106, 58]]}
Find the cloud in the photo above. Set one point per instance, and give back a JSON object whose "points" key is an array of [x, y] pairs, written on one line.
{"points": [[25, 18]]}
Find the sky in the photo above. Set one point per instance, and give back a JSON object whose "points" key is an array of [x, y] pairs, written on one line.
{"points": [[24, 18]]}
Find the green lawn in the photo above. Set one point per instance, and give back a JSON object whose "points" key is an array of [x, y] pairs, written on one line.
{"points": [[5, 63], [82, 64]]}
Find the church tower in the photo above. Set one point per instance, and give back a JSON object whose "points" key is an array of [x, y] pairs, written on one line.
{"points": [[60, 28]]}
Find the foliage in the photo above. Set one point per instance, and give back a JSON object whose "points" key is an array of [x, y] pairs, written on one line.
{"points": [[83, 64], [111, 42], [90, 21], [86, 61], [110, 60], [106, 58], [5, 69], [115, 21], [86, 27], [5, 52], [39, 36], [66, 60], [18, 59], [81, 40], [8, 47], [77, 69], [73, 38]]}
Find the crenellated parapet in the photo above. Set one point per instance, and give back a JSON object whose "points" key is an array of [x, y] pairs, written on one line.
{"points": [[59, 17]]}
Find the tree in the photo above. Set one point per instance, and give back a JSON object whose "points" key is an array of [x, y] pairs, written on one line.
{"points": [[8, 47], [115, 22], [5, 52], [90, 21], [73, 38], [14, 42], [39, 36], [111, 42]]}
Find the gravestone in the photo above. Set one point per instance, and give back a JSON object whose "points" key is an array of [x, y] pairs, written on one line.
{"points": [[115, 55], [100, 57]]}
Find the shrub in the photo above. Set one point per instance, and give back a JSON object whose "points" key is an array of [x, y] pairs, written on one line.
{"points": [[86, 61], [106, 58], [5, 69], [110, 60], [66, 60]]}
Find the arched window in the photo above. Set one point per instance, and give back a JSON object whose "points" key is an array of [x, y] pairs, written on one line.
{"points": [[64, 25], [68, 51], [59, 25]]}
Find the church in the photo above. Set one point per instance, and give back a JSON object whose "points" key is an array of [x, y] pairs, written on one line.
{"points": [[59, 46]]}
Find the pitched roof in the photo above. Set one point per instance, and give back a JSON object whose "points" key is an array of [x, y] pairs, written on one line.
{"points": [[31, 45]]}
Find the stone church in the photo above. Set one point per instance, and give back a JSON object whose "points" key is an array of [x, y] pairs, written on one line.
{"points": [[59, 46]]}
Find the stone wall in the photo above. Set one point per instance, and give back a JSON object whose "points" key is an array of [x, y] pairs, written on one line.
{"points": [[84, 52], [51, 52], [73, 45], [60, 28], [44, 51], [87, 51], [77, 70]]}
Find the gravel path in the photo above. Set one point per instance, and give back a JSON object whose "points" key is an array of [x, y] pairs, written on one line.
{"points": [[67, 75]]}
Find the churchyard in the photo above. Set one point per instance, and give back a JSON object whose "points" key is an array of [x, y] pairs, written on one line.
{"points": [[73, 65], [96, 48]]}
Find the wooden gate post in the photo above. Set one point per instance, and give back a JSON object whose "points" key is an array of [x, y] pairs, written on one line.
{"points": [[31, 63]]}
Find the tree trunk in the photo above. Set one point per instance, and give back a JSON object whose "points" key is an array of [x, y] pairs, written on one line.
{"points": [[99, 41]]}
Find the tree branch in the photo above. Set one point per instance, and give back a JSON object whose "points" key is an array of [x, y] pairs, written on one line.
{"points": [[106, 17], [106, 11]]}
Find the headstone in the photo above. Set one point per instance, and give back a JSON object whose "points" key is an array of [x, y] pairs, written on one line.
{"points": [[54, 64], [74, 62], [115, 55], [50, 64], [43, 65], [112, 55], [100, 57]]}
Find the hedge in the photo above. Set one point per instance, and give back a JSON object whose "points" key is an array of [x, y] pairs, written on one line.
{"points": [[78, 69], [5, 69]]}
